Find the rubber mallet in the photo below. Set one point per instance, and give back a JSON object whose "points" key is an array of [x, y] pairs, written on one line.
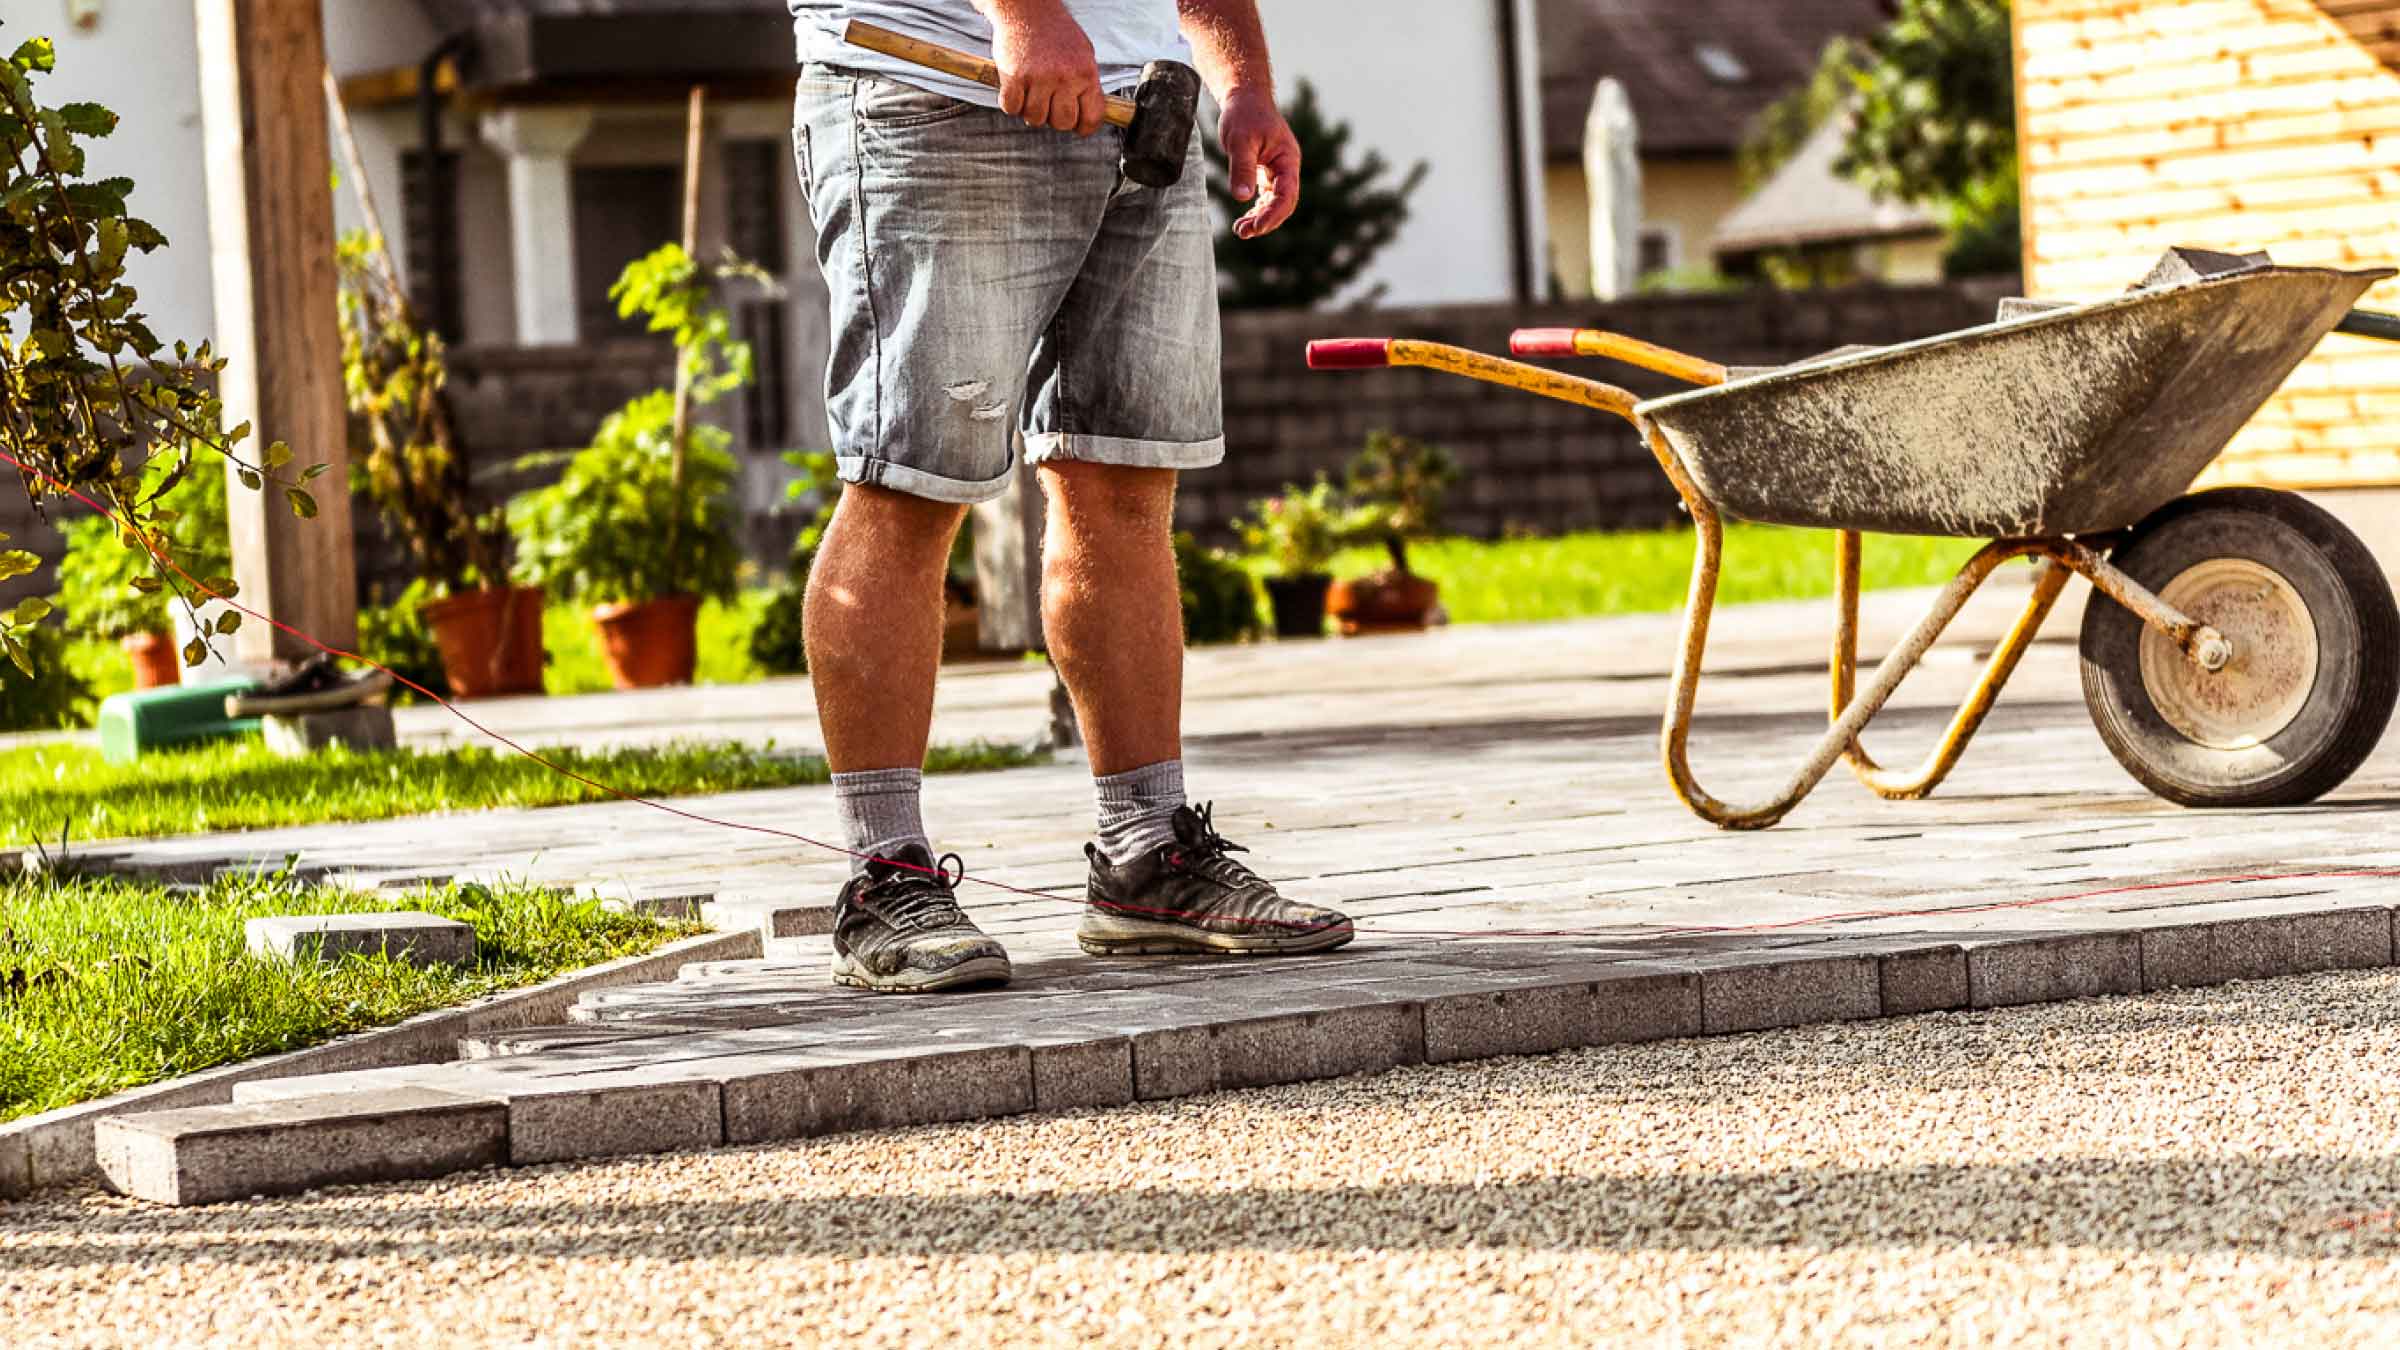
{"points": [[1158, 119]]}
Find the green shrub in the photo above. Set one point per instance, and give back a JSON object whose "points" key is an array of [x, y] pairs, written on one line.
{"points": [[601, 532], [52, 696], [1300, 530], [398, 636], [1220, 601], [777, 643], [108, 590]]}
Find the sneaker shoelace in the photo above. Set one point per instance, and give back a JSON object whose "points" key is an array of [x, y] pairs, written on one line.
{"points": [[1207, 855], [922, 901]]}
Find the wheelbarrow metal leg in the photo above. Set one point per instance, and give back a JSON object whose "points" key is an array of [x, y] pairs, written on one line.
{"points": [[2049, 581], [2208, 648]]}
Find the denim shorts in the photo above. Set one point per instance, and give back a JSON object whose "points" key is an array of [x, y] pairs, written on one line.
{"points": [[991, 280]]}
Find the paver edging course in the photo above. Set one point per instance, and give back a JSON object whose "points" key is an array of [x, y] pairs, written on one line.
{"points": [[808, 1090], [57, 1148]]}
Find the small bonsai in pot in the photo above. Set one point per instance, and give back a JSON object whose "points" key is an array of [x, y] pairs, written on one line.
{"points": [[1399, 485], [109, 591], [1297, 532], [489, 634], [618, 533]]}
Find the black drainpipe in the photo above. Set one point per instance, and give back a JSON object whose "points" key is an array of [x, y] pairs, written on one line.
{"points": [[1512, 51], [438, 262]]}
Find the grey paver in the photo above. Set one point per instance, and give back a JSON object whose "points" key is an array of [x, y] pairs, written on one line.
{"points": [[633, 1117], [1931, 979], [213, 1153], [2053, 967], [16, 1165], [1291, 1048], [1530, 1021], [1073, 1073], [824, 1094], [2350, 939], [1757, 996], [426, 939], [1646, 1005]]}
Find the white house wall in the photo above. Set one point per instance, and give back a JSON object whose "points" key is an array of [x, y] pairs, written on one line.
{"points": [[1416, 80]]}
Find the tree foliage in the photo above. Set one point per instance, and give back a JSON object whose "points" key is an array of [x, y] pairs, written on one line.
{"points": [[1349, 213], [91, 400]]}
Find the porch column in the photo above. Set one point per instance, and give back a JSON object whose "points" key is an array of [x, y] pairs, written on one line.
{"points": [[541, 215]]}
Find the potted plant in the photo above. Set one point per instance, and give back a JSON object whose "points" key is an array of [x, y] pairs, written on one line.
{"points": [[1297, 533], [615, 532], [489, 633], [107, 590], [1399, 485]]}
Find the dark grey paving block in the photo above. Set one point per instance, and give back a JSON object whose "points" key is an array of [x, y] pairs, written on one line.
{"points": [[1074, 1075], [1931, 979], [557, 1122], [215, 1153], [2343, 939], [1646, 1003], [2052, 967], [425, 939], [1538, 1020], [820, 1093], [535, 1040], [1290, 1048], [1758, 995], [16, 1165]]}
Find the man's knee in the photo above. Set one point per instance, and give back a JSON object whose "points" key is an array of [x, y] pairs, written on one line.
{"points": [[1110, 499], [881, 521]]}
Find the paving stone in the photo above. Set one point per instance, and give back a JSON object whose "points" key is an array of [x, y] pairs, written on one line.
{"points": [[2052, 967], [1539, 1020], [16, 1165], [1292, 1048], [774, 921], [535, 1040], [1074, 1074], [209, 1154], [1931, 979], [563, 1121], [425, 939], [1759, 995], [1646, 1003], [2346, 939], [823, 1094], [2191, 955]]}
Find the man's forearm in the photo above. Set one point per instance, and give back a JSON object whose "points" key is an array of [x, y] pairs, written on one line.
{"points": [[1229, 45]]}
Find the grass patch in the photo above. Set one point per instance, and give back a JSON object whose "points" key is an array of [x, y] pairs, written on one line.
{"points": [[107, 985], [1581, 576], [50, 789]]}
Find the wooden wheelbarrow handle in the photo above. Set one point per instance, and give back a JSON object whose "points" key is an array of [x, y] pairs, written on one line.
{"points": [[957, 64]]}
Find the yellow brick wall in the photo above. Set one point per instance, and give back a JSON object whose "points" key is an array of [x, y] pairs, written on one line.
{"points": [[2232, 124]]}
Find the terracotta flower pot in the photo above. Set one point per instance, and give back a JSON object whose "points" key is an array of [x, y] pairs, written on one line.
{"points": [[1299, 604], [1388, 602], [491, 641], [156, 663], [651, 642]]}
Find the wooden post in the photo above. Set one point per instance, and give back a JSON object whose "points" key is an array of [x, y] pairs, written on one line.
{"points": [[270, 217], [695, 124]]}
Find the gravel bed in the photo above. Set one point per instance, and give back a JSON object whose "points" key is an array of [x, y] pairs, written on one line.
{"points": [[2212, 1167]]}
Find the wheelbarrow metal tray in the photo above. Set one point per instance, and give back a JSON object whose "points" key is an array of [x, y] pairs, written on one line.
{"points": [[2074, 421]]}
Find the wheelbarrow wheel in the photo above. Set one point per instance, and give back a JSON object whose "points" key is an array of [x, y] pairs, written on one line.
{"points": [[2316, 660]]}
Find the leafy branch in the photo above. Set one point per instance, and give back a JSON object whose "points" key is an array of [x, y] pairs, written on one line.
{"points": [[92, 403]]}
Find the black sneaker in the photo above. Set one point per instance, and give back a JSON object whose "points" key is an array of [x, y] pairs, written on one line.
{"points": [[1190, 896], [898, 929]]}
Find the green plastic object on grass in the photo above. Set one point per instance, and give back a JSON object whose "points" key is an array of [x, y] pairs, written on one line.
{"points": [[133, 725]]}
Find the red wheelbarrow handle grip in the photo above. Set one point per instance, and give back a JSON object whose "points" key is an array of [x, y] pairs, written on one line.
{"points": [[1543, 342], [1350, 354]]}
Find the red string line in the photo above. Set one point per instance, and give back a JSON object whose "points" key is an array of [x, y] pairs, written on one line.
{"points": [[1853, 916]]}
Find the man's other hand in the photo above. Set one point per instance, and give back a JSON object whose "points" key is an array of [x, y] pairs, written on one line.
{"points": [[1264, 160], [1048, 75]]}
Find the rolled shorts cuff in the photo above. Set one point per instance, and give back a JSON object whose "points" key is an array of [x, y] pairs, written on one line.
{"points": [[868, 471], [1052, 446]]}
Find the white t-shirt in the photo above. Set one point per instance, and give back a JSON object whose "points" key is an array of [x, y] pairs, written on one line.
{"points": [[1126, 35]]}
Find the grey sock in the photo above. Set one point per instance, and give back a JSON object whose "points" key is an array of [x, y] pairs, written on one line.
{"points": [[881, 812], [1137, 809]]}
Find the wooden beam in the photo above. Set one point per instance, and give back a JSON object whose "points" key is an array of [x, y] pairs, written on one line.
{"points": [[270, 216]]}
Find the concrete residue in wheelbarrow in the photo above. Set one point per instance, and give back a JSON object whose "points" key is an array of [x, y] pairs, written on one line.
{"points": [[2077, 421]]}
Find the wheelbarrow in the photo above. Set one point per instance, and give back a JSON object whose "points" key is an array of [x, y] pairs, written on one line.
{"points": [[2249, 652]]}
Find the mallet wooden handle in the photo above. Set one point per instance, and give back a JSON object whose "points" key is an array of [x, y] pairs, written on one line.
{"points": [[934, 56]]}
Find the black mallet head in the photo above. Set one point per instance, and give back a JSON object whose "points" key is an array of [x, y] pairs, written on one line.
{"points": [[1167, 106]]}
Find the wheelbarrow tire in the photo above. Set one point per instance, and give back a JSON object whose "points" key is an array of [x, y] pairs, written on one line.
{"points": [[2298, 730]]}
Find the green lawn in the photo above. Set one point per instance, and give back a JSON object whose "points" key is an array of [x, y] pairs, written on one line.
{"points": [[1645, 572], [107, 985], [54, 789]]}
